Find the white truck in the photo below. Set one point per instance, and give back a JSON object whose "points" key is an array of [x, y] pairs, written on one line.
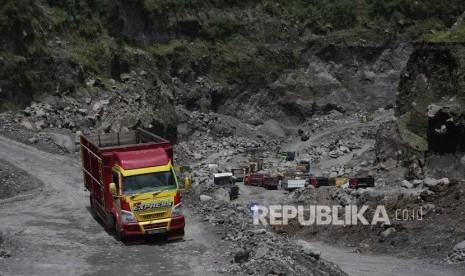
{"points": [[292, 184]]}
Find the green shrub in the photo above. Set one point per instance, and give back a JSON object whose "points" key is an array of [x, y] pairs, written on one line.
{"points": [[220, 29], [417, 10]]}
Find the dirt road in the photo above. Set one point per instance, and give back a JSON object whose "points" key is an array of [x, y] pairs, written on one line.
{"points": [[342, 129], [355, 264], [53, 233]]}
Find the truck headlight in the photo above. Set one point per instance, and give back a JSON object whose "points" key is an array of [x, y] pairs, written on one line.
{"points": [[127, 217], [176, 211]]}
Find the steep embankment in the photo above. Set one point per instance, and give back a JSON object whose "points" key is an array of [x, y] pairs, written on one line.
{"points": [[284, 60]]}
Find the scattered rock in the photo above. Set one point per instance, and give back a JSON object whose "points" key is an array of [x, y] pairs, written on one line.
{"points": [[65, 142], [27, 125], [417, 183], [197, 156], [241, 256], [82, 111], [444, 181], [311, 251], [407, 184], [427, 209], [205, 198], [33, 140], [4, 254], [433, 110], [457, 255], [261, 252], [460, 246], [388, 232], [430, 182]]}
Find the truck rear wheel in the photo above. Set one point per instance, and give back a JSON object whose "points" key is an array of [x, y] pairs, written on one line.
{"points": [[92, 209]]}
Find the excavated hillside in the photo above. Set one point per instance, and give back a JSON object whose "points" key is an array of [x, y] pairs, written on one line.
{"points": [[279, 60]]}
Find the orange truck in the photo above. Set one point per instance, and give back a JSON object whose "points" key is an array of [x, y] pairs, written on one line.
{"points": [[132, 183]]}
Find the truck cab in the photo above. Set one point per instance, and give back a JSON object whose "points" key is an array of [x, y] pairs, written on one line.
{"points": [[145, 192]]}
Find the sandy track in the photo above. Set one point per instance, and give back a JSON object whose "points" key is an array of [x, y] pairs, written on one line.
{"points": [[53, 232]]}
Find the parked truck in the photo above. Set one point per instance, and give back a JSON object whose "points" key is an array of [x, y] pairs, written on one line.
{"points": [[361, 182], [238, 173], [354, 182], [270, 182], [293, 184], [228, 182], [132, 183]]}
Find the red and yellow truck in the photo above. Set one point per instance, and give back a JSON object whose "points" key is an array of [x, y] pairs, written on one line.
{"points": [[132, 183]]}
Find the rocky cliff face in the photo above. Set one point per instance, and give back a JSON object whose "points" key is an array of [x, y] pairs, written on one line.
{"points": [[431, 100], [254, 62], [243, 61]]}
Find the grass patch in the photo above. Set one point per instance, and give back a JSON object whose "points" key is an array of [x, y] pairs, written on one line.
{"points": [[414, 140], [58, 16], [455, 34], [95, 56], [168, 48]]}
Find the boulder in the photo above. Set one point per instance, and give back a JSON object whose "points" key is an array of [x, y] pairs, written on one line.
{"points": [[406, 184], [427, 209], [261, 252], [388, 232], [33, 140], [430, 182], [27, 125], [444, 181], [241, 256], [65, 142], [197, 156], [433, 110], [417, 182], [204, 198], [333, 154], [460, 246], [82, 111], [311, 251]]}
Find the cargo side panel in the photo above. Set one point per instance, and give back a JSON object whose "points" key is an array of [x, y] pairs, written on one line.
{"points": [[92, 168]]}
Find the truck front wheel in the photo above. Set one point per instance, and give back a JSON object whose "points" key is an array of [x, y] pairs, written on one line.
{"points": [[118, 233], [113, 227]]}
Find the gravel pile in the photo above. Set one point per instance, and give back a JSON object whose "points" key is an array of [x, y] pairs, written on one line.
{"points": [[254, 249], [14, 182]]}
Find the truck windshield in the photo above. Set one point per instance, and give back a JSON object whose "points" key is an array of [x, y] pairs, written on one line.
{"points": [[148, 182]]}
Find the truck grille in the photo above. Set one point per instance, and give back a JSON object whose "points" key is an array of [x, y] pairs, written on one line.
{"points": [[156, 225], [153, 216]]}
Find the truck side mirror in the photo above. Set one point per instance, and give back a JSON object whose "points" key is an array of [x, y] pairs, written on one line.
{"points": [[113, 189]]}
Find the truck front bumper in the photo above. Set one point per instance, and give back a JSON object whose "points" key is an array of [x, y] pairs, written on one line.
{"points": [[160, 226]]}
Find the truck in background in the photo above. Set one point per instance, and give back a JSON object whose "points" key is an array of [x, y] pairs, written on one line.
{"points": [[132, 183], [354, 182], [293, 184], [239, 174], [228, 182], [361, 182]]}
